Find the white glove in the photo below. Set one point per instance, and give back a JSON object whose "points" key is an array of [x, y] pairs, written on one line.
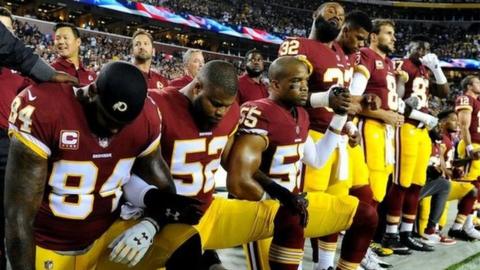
{"points": [[130, 247], [431, 61]]}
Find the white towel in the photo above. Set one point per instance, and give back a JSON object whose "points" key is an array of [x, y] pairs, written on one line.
{"points": [[389, 149], [129, 211], [343, 169]]}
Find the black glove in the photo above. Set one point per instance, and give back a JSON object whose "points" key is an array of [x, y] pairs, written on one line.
{"points": [[339, 99], [297, 203], [166, 207]]}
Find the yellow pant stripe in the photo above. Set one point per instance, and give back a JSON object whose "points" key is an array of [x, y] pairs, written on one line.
{"points": [[345, 265], [328, 246]]}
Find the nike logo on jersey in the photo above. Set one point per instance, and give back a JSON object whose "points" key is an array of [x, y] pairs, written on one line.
{"points": [[30, 96]]}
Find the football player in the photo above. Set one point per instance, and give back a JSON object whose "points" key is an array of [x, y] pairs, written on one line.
{"points": [[67, 45], [143, 50], [194, 150], [434, 194], [413, 144], [331, 32], [467, 107], [273, 138], [67, 164], [375, 73]]}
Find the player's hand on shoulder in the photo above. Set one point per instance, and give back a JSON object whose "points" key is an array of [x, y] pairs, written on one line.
{"points": [[62, 77], [130, 247]]}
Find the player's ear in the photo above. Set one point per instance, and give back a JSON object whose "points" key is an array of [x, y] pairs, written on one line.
{"points": [[274, 84], [197, 87]]}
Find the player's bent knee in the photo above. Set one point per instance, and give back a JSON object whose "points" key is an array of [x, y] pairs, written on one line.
{"points": [[366, 217]]}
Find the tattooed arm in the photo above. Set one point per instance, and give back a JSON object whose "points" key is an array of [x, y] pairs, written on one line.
{"points": [[25, 179]]}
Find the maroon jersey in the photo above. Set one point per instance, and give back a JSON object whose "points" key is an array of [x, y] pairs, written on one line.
{"points": [[382, 80], [285, 135], [11, 84], [449, 149], [192, 155], [84, 75], [466, 102], [155, 81], [249, 89], [85, 173], [330, 66], [417, 84], [181, 82]]}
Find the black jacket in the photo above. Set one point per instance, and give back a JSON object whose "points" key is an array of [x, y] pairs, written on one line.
{"points": [[15, 55]]}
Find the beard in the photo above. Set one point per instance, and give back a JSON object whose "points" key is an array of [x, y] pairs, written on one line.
{"points": [[325, 30], [384, 48], [203, 121], [143, 57], [91, 113], [253, 72]]}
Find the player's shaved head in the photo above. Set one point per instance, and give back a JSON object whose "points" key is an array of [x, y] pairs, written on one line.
{"points": [[289, 80], [219, 74], [282, 66]]}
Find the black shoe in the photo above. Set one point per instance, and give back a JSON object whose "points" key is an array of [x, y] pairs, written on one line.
{"points": [[460, 235], [407, 239], [210, 259], [392, 241]]}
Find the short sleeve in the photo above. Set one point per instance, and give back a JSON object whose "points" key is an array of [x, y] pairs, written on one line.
{"points": [[32, 120], [153, 123], [253, 120], [365, 63], [463, 103], [292, 47]]}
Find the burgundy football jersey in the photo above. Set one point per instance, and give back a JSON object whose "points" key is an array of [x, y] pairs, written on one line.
{"points": [[330, 66], [84, 75], [249, 89], [192, 155], [382, 80], [11, 84], [85, 172], [180, 82], [286, 136], [473, 105], [449, 149], [155, 81], [417, 83]]}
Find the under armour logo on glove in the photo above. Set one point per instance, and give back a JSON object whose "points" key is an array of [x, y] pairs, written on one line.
{"points": [[139, 241], [136, 240], [175, 216]]}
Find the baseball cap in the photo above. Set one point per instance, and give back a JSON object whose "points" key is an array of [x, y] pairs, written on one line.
{"points": [[122, 90]]}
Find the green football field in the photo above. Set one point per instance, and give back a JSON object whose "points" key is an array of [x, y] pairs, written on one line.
{"points": [[470, 263]]}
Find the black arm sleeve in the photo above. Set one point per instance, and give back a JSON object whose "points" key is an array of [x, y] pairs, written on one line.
{"points": [[15, 55]]}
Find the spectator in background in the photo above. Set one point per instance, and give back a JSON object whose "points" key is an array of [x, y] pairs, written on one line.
{"points": [[142, 47], [67, 45], [193, 61], [250, 85]]}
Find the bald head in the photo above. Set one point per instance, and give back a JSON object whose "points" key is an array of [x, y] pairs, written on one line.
{"points": [[218, 74], [289, 80], [282, 66]]}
